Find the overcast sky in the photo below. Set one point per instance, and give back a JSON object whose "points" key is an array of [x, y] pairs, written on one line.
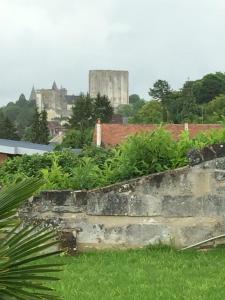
{"points": [[43, 40]]}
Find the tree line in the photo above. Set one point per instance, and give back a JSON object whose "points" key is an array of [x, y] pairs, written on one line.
{"points": [[22, 121], [199, 101]]}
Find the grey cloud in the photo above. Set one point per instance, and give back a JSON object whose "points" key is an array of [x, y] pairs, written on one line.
{"points": [[56, 39]]}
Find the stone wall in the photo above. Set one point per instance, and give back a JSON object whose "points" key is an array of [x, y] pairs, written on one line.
{"points": [[182, 206], [111, 83]]}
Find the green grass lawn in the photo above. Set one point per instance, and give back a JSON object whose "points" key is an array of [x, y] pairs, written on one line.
{"points": [[143, 274]]}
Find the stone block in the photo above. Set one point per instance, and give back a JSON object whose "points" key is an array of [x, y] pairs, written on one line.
{"points": [[144, 205], [213, 205], [107, 204], [80, 198], [194, 233], [181, 206], [147, 234], [59, 198]]}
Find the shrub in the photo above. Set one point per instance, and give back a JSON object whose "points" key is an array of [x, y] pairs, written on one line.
{"points": [[33, 165], [99, 155], [77, 138], [141, 154], [20, 246], [55, 178], [86, 175], [144, 153]]}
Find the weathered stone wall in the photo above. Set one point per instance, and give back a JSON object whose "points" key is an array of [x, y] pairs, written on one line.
{"points": [[182, 206], [111, 83]]}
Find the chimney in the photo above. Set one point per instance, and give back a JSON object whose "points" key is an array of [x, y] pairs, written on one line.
{"points": [[98, 133], [186, 126]]}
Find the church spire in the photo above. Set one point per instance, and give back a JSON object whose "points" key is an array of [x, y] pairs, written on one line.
{"points": [[32, 94], [54, 86]]}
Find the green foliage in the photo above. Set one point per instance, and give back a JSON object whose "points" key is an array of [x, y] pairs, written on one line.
{"points": [[55, 177], [126, 110], [102, 109], [77, 138], [214, 110], [192, 103], [20, 246], [44, 131], [20, 113], [140, 154], [39, 128], [144, 153], [160, 90], [82, 113], [134, 99], [151, 112], [7, 128], [87, 110], [86, 175], [210, 86], [181, 106], [32, 165], [98, 154], [131, 110]]}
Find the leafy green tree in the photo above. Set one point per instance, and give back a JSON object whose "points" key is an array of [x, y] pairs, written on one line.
{"points": [[126, 110], [103, 109], [10, 130], [2, 125], [134, 99], [150, 113], [214, 111], [27, 136], [20, 113], [39, 131], [82, 113], [210, 86], [160, 90], [87, 110], [77, 139], [131, 110], [190, 109], [44, 130], [174, 106], [22, 100], [35, 127], [21, 246], [7, 128]]}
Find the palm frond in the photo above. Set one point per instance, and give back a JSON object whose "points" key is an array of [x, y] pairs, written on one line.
{"points": [[21, 246]]}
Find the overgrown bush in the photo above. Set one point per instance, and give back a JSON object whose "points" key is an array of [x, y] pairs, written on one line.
{"points": [[33, 165], [75, 138], [139, 155]]}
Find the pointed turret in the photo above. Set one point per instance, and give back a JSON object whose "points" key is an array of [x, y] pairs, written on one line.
{"points": [[32, 94], [54, 86]]}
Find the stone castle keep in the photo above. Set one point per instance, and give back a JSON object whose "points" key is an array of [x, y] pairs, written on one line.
{"points": [[55, 101], [113, 84]]}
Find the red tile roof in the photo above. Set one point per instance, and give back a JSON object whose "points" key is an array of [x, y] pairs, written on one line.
{"points": [[114, 134]]}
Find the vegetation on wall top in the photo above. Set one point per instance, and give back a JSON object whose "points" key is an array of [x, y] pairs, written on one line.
{"points": [[141, 154]]}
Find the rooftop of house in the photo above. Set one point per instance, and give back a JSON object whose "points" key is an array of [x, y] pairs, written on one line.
{"points": [[21, 147], [114, 134]]}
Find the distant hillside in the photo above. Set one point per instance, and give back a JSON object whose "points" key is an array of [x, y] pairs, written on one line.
{"points": [[20, 113]]}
